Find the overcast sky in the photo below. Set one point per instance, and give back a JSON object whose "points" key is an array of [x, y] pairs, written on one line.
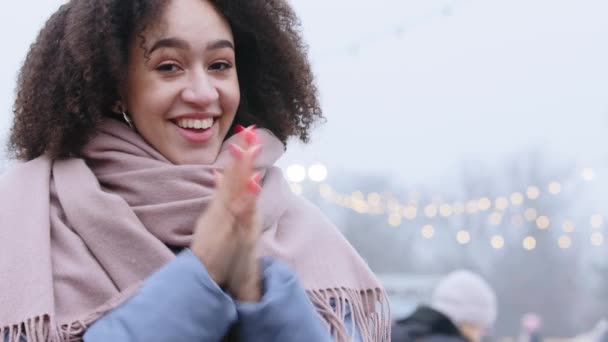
{"points": [[414, 87]]}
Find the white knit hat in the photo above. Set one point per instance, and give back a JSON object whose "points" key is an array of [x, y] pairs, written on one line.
{"points": [[465, 297]]}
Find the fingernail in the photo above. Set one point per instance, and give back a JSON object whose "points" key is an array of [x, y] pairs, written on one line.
{"points": [[254, 187], [239, 128], [237, 152], [251, 137], [257, 177]]}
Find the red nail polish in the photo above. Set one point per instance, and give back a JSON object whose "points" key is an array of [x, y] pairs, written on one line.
{"points": [[251, 137], [239, 128], [254, 187]]}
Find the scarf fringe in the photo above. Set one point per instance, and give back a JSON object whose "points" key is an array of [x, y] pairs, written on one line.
{"points": [[42, 328], [369, 310]]}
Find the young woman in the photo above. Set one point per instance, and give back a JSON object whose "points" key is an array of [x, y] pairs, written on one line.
{"points": [[147, 206]]}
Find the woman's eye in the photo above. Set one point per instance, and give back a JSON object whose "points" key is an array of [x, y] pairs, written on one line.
{"points": [[168, 67], [220, 66]]}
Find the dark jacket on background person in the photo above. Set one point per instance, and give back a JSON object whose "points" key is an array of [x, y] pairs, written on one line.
{"points": [[426, 325]]}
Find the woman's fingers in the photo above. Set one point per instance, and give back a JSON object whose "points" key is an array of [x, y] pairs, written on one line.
{"points": [[236, 151], [240, 184], [250, 135], [242, 166], [257, 177], [254, 187], [238, 129]]}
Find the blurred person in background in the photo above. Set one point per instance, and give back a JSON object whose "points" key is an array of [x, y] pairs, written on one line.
{"points": [[463, 308], [142, 206], [531, 324]]}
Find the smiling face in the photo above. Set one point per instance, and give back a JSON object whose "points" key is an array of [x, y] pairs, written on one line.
{"points": [[183, 95]]}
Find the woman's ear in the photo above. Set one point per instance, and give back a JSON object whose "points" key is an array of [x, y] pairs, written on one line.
{"points": [[118, 107]]}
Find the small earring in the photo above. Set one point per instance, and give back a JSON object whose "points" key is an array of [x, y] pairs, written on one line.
{"points": [[127, 119]]}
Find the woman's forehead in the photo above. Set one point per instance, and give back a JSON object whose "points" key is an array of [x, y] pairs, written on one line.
{"points": [[194, 22]]}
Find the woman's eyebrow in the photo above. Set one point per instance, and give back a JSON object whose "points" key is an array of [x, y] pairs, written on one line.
{"points": [[220, 44], [170, 43], [178, 43]]}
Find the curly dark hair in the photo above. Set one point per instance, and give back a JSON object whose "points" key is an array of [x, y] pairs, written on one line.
{"points": [[70, 79]]}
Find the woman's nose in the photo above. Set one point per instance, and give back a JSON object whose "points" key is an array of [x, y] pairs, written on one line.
{"points": [[200, 90]]}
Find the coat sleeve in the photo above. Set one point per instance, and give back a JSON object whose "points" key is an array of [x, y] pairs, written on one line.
{"points": [[180, 302], [283, 314]]}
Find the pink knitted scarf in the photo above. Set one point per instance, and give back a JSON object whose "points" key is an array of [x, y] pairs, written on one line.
{"points": [[78, 236]]}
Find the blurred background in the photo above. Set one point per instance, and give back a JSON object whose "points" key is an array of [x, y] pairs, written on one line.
{"points": [[459, 134]]}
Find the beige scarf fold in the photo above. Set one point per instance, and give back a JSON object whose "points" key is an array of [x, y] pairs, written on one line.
{"points": [[78, 236]]}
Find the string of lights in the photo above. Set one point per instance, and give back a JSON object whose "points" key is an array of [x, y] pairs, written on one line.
{"points": [[376, 203], [498, 241]]}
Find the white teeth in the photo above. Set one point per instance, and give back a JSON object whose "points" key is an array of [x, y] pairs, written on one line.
{"points": [[195, 123]]}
